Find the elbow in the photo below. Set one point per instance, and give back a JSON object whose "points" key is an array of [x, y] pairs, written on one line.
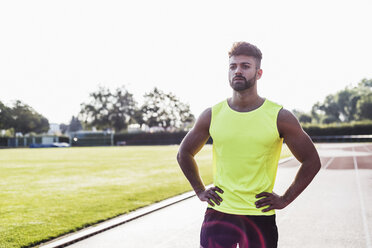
{"points": [[316, 164], [312, 164], [180, 155], [314, 161], [183, 155]]}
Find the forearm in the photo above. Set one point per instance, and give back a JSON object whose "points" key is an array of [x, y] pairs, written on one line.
{"points": [[304, 176], [190, 170]]}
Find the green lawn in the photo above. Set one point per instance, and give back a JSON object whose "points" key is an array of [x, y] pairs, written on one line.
{"points": [[49, 192]]}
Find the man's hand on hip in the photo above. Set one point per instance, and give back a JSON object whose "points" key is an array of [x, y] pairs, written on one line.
{"points": [[210, 195], [272, 200]]}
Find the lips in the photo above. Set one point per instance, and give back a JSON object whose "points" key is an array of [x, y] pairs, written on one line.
{"points": [[238, 79]]}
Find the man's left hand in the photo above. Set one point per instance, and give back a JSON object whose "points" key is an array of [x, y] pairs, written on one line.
{"points": [[272, 200]]}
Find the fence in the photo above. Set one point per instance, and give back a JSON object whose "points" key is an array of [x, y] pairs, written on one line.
{"points": [[161, 138], [92, 138], [28, 141], [111, 139], [341, 138]]}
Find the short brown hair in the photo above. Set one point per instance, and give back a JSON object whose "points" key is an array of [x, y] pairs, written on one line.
{"points": [[245, 48]]}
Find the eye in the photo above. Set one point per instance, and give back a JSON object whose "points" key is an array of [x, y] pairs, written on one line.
{"points": [[232, 67]]}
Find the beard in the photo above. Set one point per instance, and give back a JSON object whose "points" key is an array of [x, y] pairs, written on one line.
{"points": [[240, 86]]}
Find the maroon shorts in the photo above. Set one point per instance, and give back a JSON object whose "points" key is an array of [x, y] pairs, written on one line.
{"points": [[221, 230]]}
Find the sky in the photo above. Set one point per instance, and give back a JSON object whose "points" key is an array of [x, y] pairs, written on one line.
{"points": [[54, 53]]}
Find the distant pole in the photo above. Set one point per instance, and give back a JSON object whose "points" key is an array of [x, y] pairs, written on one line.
{"points": [[112, 138]]}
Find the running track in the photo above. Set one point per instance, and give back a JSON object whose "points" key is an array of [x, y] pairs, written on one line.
{"points": [[334, 211]]}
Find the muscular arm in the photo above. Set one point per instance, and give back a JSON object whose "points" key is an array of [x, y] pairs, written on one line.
{"points": [[304, 150], [190, 146]]}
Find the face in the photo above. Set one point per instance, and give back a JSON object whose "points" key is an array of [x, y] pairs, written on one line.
{"points": [[243, 73]]}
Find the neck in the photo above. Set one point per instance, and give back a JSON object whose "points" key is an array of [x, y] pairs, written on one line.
{"points": [[246, 100]]}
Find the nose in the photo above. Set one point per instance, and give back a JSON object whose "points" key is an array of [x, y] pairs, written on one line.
{"points": [[238, 71]]}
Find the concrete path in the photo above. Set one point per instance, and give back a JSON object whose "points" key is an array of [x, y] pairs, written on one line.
{"points": [[334, 211]]}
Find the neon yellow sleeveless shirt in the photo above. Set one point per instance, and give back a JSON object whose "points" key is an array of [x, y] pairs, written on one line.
{"points": [[246, 151]]}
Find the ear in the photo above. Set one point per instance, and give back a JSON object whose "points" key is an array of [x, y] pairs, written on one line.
{"points": [[259, 74]]}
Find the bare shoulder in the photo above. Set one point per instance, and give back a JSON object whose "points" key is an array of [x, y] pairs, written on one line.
{"points": [[287, 122], [204, 120], [286, 116], [295, 137], [198, 135]]}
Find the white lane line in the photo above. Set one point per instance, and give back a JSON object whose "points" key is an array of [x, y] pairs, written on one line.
{"points": [[288, 210], [329, 162], [368, 150], [362, 207]]}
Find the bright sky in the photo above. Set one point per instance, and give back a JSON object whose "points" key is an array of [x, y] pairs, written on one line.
{"points": [[54, 53]]}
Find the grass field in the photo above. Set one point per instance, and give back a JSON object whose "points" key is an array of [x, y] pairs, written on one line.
{"points": [[53, 191]]}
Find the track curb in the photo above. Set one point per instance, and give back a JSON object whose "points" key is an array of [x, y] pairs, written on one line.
{"points": [[71, 238]]}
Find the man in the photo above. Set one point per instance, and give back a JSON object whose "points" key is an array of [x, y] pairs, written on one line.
{"points": [[247, 132]]}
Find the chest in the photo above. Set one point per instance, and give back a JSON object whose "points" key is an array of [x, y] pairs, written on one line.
{"points": [[244, 131]]}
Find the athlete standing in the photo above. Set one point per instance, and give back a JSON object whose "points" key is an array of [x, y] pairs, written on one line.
{"points": [[247, 132]]}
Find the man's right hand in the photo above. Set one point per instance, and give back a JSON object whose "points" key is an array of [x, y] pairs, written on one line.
{"points": [[210, 195]]}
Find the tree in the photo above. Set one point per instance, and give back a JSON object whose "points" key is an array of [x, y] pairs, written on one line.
{"points": [[346, 105], [123, 110], [96, 111], [315, 112], [364, 107], [64, 128], [328, 119], [109, 110], [365, 83], [165, 110], [74, 125], [305, 118], [302, 116], [347, 101], [25, 119], [331, 108], [5, 116]]}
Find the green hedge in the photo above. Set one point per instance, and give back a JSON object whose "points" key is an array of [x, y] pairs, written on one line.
{"points": [[164, 138], [161, 138], [3, 141], [354, 128]]}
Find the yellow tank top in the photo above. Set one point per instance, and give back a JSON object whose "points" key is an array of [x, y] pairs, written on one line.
{"points": [[246, 151]]}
